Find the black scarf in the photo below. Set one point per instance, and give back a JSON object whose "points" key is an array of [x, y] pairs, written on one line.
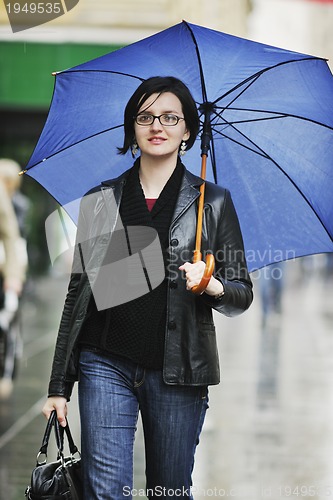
{"points": [[136, 329]]}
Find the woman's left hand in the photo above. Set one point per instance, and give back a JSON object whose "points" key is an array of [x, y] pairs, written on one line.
{"points": [[194, 272]]}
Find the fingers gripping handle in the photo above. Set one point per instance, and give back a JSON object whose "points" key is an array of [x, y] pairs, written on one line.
{"points": [[209, 269]]}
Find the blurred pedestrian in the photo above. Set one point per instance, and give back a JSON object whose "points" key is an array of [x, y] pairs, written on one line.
{"points": [[12, 275], [329, 267], [271, 282], [156, 354], [9, 174]]}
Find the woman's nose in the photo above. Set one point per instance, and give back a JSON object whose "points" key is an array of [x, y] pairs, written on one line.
{"points": [[156, 125]]}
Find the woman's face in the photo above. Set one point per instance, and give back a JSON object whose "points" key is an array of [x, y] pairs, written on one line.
{"points": [[156, 140]]}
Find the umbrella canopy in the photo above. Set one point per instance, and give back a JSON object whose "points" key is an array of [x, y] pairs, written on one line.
{"points": [[271, 116]]}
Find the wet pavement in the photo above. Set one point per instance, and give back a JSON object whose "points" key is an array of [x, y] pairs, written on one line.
{"points": [[269, 429]]}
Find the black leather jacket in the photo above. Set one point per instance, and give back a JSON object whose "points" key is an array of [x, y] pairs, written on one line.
{"points": [[191, 356]]}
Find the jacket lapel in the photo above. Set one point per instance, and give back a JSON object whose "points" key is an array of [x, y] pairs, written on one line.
{"points": [[112, 191], [188, 193]]}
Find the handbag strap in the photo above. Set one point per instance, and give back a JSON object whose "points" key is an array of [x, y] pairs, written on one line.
{"points": [[45, 441], [60, 431], [59, 436]]}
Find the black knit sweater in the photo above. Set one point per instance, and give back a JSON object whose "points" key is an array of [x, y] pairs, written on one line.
{"points": [[136, 329]]}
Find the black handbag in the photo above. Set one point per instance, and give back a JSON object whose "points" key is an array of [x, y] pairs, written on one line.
{"points": [[60, 480]]}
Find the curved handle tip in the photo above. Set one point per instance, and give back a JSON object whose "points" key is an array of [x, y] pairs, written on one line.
{"points": [[209, 269]]}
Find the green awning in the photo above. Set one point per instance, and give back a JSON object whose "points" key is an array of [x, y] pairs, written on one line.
{"points": [[26, 80]]}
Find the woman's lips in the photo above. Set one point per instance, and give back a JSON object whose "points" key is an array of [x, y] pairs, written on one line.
{"points": [[156, 140]]}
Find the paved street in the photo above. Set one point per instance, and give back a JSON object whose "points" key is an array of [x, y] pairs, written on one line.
{"points": [[269, 429]]}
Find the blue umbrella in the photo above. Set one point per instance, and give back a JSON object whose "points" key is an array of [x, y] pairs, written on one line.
{"points": [[267, 114]]}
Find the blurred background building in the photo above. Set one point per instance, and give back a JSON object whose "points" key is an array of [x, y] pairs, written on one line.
{"points": [[300, 25]]}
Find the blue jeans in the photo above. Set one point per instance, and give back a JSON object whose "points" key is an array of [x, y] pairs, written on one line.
{"points": [[112, 391]]}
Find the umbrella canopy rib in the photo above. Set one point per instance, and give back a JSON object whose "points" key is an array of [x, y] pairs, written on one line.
{"points": [[276, 115], [253, 78], [202, 78], [260, 153], [250, 120], [213, 160], [72, 145], [268, 157], [120, 73]]}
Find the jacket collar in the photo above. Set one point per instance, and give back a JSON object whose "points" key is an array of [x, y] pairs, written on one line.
{"points": [[189, 179], [117, 180], [189, 190]]}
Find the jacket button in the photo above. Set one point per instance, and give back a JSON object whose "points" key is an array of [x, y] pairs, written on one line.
{"points": [[173, 284], [174, 242], [172, 325]]}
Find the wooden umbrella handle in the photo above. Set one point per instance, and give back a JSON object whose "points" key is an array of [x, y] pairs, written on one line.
{"points": [[210, 261], [209, 269]]}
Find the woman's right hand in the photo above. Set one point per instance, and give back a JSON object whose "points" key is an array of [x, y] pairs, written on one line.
{"points": [[59, 404]]}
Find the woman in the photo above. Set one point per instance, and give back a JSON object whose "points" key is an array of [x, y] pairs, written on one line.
{"points": [[157, 353]]}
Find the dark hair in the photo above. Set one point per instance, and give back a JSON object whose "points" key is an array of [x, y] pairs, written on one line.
{"points": [[159, 85]]}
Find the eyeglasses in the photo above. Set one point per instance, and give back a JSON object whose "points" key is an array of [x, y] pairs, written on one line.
{"points": [[167, 120]]}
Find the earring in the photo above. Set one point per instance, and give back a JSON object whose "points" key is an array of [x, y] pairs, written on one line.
{"points": [[135, 149], [182, 148]]}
